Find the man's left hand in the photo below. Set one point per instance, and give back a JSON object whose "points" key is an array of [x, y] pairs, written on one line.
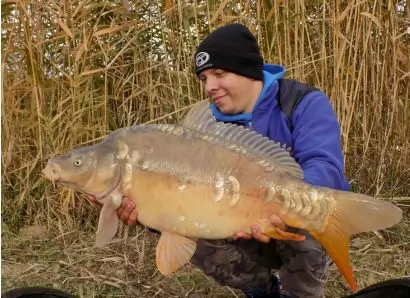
{"points": [[256, 232]]}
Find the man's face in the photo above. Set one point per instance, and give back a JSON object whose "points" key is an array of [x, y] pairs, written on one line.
{"points": [[231, 93]]}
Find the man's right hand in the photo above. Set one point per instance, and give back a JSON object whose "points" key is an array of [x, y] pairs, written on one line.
{"points": [[127, 212]]}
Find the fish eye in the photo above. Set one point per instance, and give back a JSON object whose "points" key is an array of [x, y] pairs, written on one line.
{"points": [[77, 162]]}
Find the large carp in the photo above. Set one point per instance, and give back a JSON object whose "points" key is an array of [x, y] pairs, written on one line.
{"points": [[207, 179]]}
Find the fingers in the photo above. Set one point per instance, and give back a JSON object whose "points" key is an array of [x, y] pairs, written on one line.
{"points": [[127, 212], [132, 219], [256, 233], [124, 204], [277, 222], [92, 199], [120, 209], [242, 235]]}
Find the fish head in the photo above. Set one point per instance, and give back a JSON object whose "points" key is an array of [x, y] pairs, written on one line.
{"points": [[92, 169]]}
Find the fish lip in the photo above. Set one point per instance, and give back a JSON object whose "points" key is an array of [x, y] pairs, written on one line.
{"points": [[50, 175], [51, 171], [98, 196], [59, 182]]}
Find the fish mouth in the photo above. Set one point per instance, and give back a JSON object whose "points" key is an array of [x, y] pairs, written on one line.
{"points": [[64, 183], [56, 179], [51, 172]]}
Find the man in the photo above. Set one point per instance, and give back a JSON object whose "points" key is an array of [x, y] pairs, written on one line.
{"points": [[243, 89]]}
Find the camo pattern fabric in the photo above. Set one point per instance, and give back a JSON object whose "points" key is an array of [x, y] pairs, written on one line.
{"points": [[243, 264]]}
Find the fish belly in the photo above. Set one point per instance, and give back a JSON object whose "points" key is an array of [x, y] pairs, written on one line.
{"points": [[194, 210]]}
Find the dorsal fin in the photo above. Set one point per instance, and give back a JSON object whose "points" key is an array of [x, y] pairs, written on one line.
{"points": [[201, 120], [199, 114]]}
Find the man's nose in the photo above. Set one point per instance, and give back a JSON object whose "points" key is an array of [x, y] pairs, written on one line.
{"points": [[211, 84]]}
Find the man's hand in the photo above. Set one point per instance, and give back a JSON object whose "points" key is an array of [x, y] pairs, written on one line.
{"points": [[126, 212], [256, 233], [92, 199]]}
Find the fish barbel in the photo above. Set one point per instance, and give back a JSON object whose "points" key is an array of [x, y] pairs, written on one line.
{"points": [[206, 179]]}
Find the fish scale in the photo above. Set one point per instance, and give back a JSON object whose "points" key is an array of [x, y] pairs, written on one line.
{"points": [[206, 179], [312, 206]]}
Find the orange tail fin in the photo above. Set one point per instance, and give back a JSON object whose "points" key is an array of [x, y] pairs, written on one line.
{"points": [[336, 243], [354, 213]]}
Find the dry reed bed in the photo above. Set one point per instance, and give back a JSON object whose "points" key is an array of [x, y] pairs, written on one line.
{"points": [[75, 70]]}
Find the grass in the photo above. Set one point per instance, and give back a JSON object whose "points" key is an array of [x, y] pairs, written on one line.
{"points": [[75, 71], [37, 257], [125, 268]]}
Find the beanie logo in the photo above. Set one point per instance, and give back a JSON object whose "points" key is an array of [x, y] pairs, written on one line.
{"points": [[201, 58]]}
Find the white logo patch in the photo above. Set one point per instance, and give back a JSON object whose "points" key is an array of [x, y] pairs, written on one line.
{"points": [[201, 58]]}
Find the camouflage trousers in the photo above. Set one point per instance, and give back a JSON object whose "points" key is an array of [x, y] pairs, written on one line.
{"points": [[242, 264]]}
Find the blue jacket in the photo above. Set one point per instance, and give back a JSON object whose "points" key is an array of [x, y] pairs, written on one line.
{"points": [[315, 143]]}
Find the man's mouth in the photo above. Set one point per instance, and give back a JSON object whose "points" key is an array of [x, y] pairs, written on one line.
{"points": [[218, 98]]}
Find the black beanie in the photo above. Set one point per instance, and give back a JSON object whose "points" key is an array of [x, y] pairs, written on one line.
{"points": [[232, 48]]}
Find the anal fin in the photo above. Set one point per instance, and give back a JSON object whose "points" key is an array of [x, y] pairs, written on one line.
{"points": [[173, 251]]}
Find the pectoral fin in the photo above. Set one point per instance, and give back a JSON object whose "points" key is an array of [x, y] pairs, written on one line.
{"points": [[173, 251], [282, 235], [107, 223]]}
